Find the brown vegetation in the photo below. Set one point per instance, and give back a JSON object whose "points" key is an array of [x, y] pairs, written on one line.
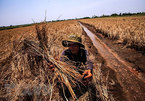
{"points": [[129, 31], [26, 53], [25, 56], [124, 75]]}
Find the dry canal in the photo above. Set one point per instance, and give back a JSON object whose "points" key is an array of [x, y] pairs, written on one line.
{"points": [[130, 81]]}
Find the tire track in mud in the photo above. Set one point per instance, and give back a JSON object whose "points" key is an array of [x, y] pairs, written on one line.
{"points": [[130, 81]]}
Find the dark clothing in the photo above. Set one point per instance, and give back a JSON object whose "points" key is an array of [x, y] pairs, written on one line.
{"points": [[77, 60]]}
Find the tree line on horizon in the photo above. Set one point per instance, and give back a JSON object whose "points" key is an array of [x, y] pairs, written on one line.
{"points": [[112, 15], [116, 15]]}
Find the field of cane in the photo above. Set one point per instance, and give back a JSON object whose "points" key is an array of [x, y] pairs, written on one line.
{"points": [[14, 66], [129, 31], [56, 31], [26, 55]]}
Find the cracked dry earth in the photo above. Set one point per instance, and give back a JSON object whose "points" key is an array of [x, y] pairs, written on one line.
{"points": [[126, 67]]}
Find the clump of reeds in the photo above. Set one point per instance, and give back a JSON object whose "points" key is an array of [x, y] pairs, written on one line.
{"points": [[28, 74], [102, 84], [128, 31]]}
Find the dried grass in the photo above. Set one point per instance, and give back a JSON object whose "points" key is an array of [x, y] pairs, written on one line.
{"points": [[25, 73], [129, 31], [102, 84], [28, 70]]}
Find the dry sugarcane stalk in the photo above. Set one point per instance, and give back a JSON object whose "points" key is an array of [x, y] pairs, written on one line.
{"points": [[26, 54], [48, 58]]}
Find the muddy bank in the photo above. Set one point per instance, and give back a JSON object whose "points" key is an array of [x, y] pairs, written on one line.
{"points": [[135, 91], [115, 88], [135, 58]]}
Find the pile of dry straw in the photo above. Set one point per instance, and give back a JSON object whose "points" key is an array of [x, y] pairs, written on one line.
{"points": [[27, 71], [26, 75]]}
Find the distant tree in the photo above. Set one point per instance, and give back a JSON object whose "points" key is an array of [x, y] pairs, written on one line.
{"points": [[104, 16], [86, 18], [127, 14], [115, 14], [94, 16], [120, 14]]}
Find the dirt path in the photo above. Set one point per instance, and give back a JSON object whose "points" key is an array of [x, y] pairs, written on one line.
{"points": [[131, 81]]}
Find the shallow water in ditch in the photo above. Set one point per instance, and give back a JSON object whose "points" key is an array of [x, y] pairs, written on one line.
{"points": [[131, 84], [104, 52]]}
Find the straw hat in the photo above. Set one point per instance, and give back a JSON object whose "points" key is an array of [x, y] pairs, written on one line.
{"points": [[73, 39]]}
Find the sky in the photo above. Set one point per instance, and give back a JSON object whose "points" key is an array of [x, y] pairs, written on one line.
{"points": [[17, 12]]}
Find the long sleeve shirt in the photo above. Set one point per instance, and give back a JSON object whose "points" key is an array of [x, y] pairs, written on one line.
{"points": [[81, 58]]}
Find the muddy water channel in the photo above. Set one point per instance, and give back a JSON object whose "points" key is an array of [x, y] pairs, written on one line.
{"points": [[133, 86]]}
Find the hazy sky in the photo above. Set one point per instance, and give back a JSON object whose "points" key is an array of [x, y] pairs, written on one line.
{"points": [[15, 12]]}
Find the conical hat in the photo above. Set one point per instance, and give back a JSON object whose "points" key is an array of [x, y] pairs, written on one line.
{"points": [[73, 38]]}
